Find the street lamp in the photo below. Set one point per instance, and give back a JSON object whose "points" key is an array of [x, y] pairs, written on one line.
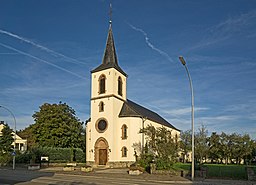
{"points": [[14, 148], [192, 117]]}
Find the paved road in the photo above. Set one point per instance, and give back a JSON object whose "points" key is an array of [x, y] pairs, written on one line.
{"points": [[102, 177], [62, 179], [59, 179], [9, 176]]}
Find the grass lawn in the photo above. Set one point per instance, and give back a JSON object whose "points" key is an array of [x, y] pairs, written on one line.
{"points": [[226, 171], [219, 170], [182, 166]]}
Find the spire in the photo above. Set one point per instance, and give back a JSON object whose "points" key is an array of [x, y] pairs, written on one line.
{"points": [[110, 51], [109, 58]]}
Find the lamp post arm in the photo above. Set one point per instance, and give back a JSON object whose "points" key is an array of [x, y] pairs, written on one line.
{"points": [[191, 89]]}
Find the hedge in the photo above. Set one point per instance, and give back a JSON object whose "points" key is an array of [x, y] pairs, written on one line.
{"points": [[55, 155]]}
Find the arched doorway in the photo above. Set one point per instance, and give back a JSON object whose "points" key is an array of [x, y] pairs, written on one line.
{"points": [[101, 151]]}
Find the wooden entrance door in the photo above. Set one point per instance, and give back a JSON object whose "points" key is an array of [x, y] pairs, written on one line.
{"points": [[101, 151], [102, 156]]}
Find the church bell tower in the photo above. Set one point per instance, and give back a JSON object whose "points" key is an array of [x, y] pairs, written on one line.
{"points": [[108, 93]]}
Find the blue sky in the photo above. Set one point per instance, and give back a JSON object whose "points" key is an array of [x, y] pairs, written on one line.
{"points": [[48, 48]]}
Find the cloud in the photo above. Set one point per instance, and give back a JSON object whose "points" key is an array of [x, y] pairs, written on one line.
{"points": [[50, 51], [233, 26], [150, 44], [185, 111], [217, 119], [41, 60], [9, 53], [39, 89]]}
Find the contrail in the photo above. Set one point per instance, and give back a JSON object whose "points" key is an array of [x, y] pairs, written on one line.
{"points": [[150, 44], [54, 53], [39, 59], [9, 53]]}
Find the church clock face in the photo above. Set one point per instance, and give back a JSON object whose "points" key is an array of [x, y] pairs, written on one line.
{"points": [[101, 125]]}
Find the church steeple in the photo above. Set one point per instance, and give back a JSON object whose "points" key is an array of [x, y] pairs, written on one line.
{"points": [[110, 52], [110, 58]]}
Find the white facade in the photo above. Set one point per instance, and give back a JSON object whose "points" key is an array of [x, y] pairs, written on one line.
{"points": [[110, 134]]}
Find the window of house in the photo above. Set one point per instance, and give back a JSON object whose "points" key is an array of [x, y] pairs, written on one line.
{"points": [[124, 132], [101, 106], [120, 86], [102, 84], [124, 152]]}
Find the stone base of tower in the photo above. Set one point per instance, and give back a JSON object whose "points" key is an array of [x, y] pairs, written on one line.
{"points": [[116, 164]]}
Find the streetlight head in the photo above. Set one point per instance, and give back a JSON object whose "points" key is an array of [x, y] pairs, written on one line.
{"points": [[182, 60]]}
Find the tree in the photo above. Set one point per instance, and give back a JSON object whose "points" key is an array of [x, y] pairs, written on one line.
{"points": [[6, 140], [247, 146], [253, 155], [161, 144], [234, 147], [201, 146], [27, 133], [185, 144], [225, 147], [242, 146], [56, 125], [214, 147]]}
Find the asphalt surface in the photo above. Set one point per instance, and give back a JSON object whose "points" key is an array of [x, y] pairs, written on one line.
{"points": [[55, 176]]}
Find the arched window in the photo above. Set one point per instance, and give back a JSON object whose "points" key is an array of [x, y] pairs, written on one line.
{"points": [[124, 132], [124, 152], [102, 84], [120, 86], [101, 106]]}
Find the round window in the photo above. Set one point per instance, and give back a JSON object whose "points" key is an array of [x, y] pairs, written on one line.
{"points": [[102, 125]]}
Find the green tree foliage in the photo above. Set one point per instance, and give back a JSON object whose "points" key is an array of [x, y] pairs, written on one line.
{"points": [[234, 147], [220, 148], [214, 147], [241, 147], [6, 140], [27, 133], [161, 145], [56, 125], [185, 144], [225, 147], [201, 146]]}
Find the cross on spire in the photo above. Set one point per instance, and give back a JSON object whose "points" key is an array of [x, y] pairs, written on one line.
{"points": [[110, 13]]}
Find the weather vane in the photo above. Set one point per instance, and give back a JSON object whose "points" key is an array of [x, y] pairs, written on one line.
{"points": [[110, 13]]}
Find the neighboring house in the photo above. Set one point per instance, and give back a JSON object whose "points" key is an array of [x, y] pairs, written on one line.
{"points": [[21, 144], [115, 121]]}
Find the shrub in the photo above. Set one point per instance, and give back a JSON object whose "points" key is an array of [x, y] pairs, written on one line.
{"points": [[5, 159], [24, 157], [54, 154], [145, 160], [162, 164]]}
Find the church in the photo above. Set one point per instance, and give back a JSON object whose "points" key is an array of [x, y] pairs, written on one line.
{"points": [[115, 121]]}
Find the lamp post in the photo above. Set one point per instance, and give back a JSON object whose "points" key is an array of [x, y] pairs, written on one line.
{"points": [[14, 148], [192, 117]]}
